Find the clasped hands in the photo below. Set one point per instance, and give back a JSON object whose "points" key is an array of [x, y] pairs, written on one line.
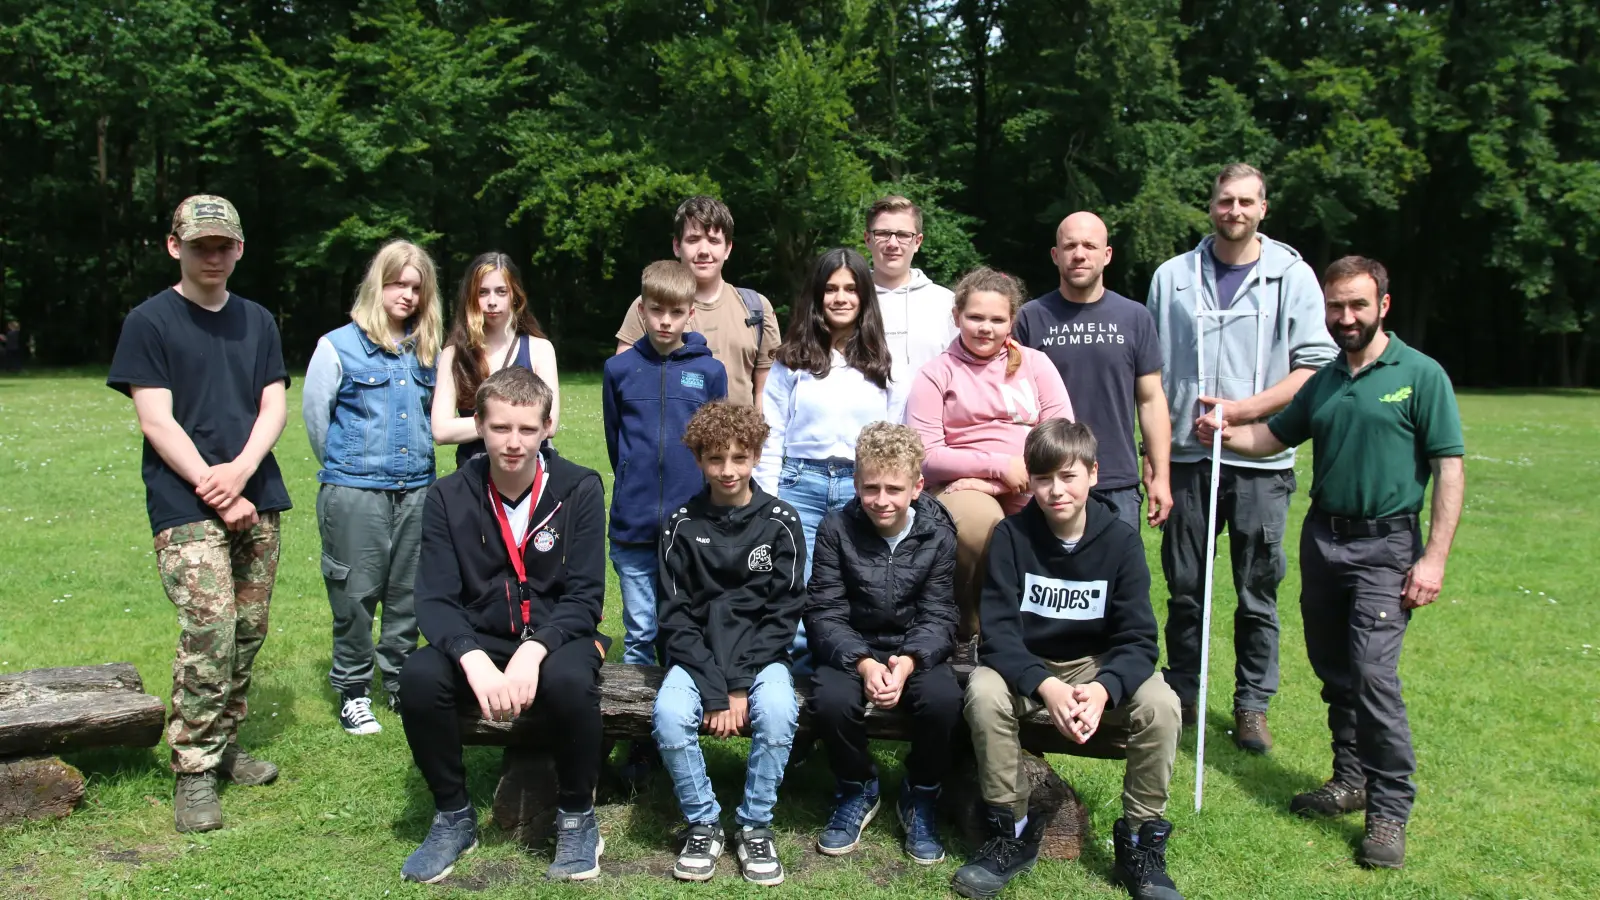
{"points": [[881, 684], [1075, 709], [502, 696], [221, 489]]}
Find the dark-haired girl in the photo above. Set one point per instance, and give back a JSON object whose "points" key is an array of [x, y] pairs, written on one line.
{"points": [[494, 327]]}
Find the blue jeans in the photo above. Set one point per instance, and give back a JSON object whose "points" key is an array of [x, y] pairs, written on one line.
{"points": [[814, 487], [774, 715], [636, 571]]}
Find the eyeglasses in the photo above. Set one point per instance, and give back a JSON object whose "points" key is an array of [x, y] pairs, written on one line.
{"points": [[885, 237]]}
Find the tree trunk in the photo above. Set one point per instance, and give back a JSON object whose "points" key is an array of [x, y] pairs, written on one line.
{"points": [[51, 710], [40, 787]]}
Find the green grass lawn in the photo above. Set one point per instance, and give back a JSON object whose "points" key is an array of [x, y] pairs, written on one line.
{"points": [[1501, 680]]}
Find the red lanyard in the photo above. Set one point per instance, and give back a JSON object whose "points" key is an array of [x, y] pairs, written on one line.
{"points": [[514, 547]]}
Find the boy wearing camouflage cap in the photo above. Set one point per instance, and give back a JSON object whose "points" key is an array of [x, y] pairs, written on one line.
{"points": [[205, 370]]}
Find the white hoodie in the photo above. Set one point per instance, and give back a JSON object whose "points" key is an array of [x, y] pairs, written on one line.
{"points": [[919, 322]]}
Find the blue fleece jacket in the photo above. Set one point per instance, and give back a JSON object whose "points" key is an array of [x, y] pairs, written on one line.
{"points": [[647, 402]]}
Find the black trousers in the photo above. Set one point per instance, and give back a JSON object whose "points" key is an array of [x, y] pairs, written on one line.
{"points": [[434, 691], [1350, 601], [839, 707]]}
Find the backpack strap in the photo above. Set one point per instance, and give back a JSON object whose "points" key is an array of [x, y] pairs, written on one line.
{"points": [[757, 316]]}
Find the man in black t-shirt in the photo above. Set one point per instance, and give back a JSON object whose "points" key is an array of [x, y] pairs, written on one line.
{"points": [[1109, 356], [205, 370]]}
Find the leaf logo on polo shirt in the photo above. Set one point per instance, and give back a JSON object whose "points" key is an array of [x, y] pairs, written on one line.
{"points": [[1397, 396], [1055, 598], [761, 559]]}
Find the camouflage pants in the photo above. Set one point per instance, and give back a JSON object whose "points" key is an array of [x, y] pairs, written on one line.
{"points": [[221, 583]]}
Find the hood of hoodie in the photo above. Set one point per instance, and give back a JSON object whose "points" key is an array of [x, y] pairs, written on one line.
{"points": [[694, 345], [564, 476], [1277, 326], [917, 323], [1099, 517]]}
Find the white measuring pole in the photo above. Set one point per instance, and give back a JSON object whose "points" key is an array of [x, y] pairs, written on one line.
{"points": [[1205, 616]]}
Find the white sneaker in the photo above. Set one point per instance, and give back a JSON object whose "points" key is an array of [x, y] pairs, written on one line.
{"points": [[697, 861], [758, 855], [356, 715]]}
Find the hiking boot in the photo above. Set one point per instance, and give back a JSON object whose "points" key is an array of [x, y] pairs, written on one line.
{"points": [[1332, 799], [1384, 847], [697, 861], [919, 817], [450, 837], [195, 806], [854, 805], [355, 713], [1141, 865], [1250, 731], [578, 847], [757, 849], [1003, 857], [241, 768], [1190, 713]]}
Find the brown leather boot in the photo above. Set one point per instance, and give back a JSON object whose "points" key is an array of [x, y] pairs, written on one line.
{"points": [[1384, 846], [1250, 731]]}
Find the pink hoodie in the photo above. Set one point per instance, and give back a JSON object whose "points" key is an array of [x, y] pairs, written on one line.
{"points": [[973, 420]]}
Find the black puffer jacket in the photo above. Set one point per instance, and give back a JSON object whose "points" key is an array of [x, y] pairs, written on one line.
{"points": [[865, 599]]}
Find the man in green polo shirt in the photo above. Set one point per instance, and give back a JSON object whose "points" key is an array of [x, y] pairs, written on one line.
{"points": [[1383, 418]]}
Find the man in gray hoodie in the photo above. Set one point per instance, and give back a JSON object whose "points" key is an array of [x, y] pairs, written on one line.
{"points": [[1241, 325], [918, 315]]}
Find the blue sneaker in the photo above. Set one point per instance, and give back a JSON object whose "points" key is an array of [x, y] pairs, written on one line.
{"points": [[578, 847], [855, 803], [919, 817], [450, 837]]}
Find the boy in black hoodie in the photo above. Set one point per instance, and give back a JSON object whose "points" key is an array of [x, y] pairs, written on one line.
{"points": [[732, 587], [881, 614], [510, 590], [1067, 627]]}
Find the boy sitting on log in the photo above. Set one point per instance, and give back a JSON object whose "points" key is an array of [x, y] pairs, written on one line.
{"points": [[732, 588], [1067, 627], [510, 590], [882, 620]]}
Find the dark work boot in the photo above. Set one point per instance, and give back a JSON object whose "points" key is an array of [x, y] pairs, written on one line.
{"points": [[1001, 858], [195, 806], [1250, 731], [1332, 799], [1384, 847], [1141, 864], [241, 768], [1191, 714]]}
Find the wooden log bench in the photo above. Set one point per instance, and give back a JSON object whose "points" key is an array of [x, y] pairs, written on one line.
{"points": [[48, 711], [524, 802]]}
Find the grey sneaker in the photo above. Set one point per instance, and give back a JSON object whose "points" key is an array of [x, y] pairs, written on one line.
{"points": [[702, 846], [578, 847], [758, 855], [241, 768], [195, 806], [1384, 847], [451, 836]]}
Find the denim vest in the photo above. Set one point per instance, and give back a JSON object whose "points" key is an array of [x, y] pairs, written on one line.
{"points": [[381, 433]]}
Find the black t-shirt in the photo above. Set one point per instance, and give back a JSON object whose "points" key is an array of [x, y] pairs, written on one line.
{"points": [[216, 364], [1099, 348]]}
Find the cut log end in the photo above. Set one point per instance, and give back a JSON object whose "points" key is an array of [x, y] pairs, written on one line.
{"points": [[38, 787], [525, 798]]}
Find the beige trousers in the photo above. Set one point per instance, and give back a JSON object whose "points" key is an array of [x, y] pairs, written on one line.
{"points": [[1147, 723], [975, 514]]}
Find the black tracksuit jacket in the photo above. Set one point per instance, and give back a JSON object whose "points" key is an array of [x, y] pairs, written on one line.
{"points": [[1041, 602], [732, 588], [864, 599], [466, 585]]}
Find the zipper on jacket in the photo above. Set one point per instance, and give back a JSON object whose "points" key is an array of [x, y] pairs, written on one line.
{"points": [[661, 436]]}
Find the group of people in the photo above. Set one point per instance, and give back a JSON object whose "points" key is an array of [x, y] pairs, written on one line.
{"points": [[902, 468]]}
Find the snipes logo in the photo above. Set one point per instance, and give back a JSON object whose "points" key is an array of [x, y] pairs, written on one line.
{"points": [[1054, 598]]}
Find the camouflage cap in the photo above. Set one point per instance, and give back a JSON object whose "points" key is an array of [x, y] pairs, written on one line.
{"points": [[206, 215]]}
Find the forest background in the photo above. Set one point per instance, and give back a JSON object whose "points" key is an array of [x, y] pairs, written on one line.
{"points": [[1457, 141]]}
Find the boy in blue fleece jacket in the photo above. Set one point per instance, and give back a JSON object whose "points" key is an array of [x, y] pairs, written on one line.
{"points": [[1067, 628], [649, 394]]}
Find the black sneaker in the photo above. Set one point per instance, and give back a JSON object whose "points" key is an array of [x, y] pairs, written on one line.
{"points": [[1003, 857], [1332, 799], [1384, 846], [758, 855], [702, 846], [1141, 864], [355, 713], [578, 847]]}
